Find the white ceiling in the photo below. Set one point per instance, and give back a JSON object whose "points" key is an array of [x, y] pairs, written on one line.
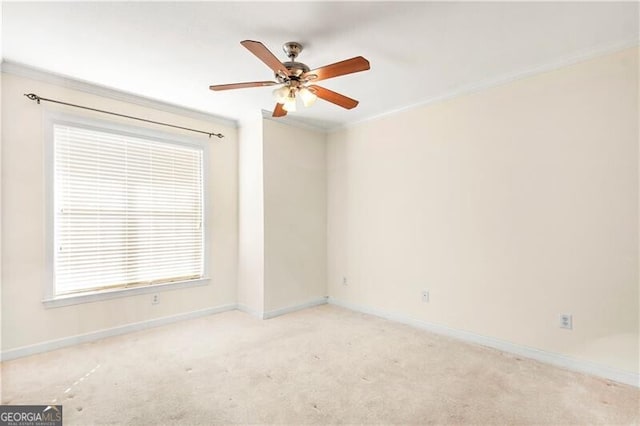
{"points": [[418, 51]]}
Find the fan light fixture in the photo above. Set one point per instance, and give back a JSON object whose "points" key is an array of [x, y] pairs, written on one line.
{"points": [[290, 102], [307, 96], [281, 94], [287, 97]]}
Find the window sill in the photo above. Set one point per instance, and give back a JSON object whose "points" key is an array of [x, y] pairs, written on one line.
{"points": [[97, 296]]}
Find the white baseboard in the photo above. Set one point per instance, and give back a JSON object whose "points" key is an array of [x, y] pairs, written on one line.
{"points": [[559, 360], [115, 331], [248, 310], [556, 359], [51, 345], [277, 312]]}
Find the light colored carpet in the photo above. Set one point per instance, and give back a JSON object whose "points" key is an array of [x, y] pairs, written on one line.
{"points": [[321, 365]]}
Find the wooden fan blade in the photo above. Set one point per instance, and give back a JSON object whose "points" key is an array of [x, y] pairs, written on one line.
{"points": [[265, 56], [279, 111], [333, 97], [219, 87], [348, 66]]}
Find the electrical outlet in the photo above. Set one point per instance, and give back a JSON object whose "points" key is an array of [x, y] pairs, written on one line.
{"points": [[566, 321], [155, 299], [344, 281], [425, 296]]}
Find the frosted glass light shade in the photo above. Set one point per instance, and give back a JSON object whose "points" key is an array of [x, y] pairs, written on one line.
{"points": [[307, 96], [290, 103], [281, 94]]}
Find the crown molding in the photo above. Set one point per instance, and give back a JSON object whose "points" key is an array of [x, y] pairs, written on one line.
{"points": [[583, 56], [21, 70], [303, 123]]}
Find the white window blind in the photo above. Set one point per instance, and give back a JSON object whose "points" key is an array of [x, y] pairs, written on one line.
{"points": [[128, 210]]}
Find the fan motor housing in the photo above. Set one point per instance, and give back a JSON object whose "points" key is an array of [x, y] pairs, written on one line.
{"points": [[296, 68], [292, 49]]}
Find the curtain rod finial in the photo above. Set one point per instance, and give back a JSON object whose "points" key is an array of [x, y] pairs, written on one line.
{"points": [[33, 97]]}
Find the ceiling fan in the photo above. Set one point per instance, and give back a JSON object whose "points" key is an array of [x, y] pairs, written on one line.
{"points": [[296, 78]]}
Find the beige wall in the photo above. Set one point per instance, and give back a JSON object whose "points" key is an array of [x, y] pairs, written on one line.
{"points": [[294, 215], [25, 321], [511, 206], [251, 217], [1, 220]]}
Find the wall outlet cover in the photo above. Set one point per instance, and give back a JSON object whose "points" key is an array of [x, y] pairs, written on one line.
{"points": [[566, 321]]}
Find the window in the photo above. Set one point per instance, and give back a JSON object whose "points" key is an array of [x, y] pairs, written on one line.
{"points": [[127, 210]]}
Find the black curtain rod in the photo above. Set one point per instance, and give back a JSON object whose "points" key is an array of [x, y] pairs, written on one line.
{"points": [[38, 99]]}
